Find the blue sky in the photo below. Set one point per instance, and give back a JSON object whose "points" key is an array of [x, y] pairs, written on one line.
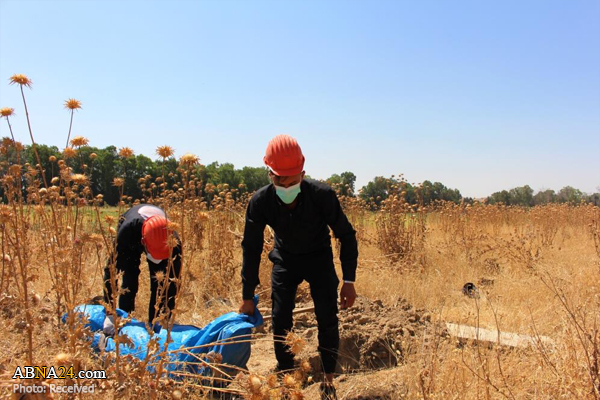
{"points": [[481, 96]]}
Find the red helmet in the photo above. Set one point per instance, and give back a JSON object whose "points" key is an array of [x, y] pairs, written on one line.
{"points": [[155, 237], [284, 156]]}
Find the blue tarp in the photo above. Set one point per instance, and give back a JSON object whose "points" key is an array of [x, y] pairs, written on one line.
{"points": [[221, 330]]}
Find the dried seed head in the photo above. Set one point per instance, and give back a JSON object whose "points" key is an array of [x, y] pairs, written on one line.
{"points": [[254, 384], [52, 158], [72, 104], [214, 357], [6, 143], [118, 182], [125, 152], [79, 179], [32, 171], [189, 160], [159, 276], [176, 394], [65, 174], [69, 152], [295, 342], [272, 381], [305, 366], [289, 381], [8, 180], [5, 215], [296, 395], [62, 358], [165, 151], [55, 180], [93, 156], [172, 226], [202, 216], [20, 79], [79, 141], [7, 111]]}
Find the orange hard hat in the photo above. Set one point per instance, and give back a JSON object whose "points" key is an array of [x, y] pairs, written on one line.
{"points": [[284, 156], [155, 237]]}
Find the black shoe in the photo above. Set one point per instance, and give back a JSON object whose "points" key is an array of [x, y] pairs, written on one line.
{"points": [[328, 391]]}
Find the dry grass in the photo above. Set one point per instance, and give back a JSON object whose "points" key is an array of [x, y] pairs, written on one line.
{"points": [[527, 283]]}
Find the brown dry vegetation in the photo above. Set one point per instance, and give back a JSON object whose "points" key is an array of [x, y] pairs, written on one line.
{"points": [[537, 271]]}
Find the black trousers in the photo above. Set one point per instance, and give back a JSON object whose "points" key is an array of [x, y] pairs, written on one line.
{"points": [[130, 281], [319, 271]]}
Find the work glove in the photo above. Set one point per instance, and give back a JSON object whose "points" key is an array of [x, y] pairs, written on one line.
{"points": [[109, 325]]}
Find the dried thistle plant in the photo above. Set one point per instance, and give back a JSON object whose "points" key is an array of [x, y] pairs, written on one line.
{"points": [[165, 151], [125, 152], [79, 141], [71, 104]]}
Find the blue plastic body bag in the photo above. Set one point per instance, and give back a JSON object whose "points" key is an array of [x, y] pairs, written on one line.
{"points": [[212, 338]]}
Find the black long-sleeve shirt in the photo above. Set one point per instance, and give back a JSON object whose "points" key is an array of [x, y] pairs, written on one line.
{"points": [[128, 243], [303, 230]]}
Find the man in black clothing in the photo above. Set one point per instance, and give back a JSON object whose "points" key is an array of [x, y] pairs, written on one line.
{"points": [[143, 228], [301, 212]]}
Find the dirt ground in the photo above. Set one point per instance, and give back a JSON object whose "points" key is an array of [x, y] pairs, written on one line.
{"points": [[374, 340]]}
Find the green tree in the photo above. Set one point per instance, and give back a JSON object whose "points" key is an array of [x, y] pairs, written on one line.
{"points": [[376, 190], [544, 197], [226, 173], [348, 181], [45, 152], [344, 183], [569, 194], [432, 192], [499, 197], [594, 198], [254, 178], [522, 196], [104, 170]]}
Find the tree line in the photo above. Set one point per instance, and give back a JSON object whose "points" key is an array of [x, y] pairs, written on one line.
{"points": [[102, 165], [524, 196]]}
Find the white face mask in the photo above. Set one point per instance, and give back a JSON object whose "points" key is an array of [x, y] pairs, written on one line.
{"points": [[288, 195], [154, 260]]}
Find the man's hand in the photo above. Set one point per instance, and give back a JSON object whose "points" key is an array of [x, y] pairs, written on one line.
{"points": [[247, 307], [347, 295], [108, 327]]}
